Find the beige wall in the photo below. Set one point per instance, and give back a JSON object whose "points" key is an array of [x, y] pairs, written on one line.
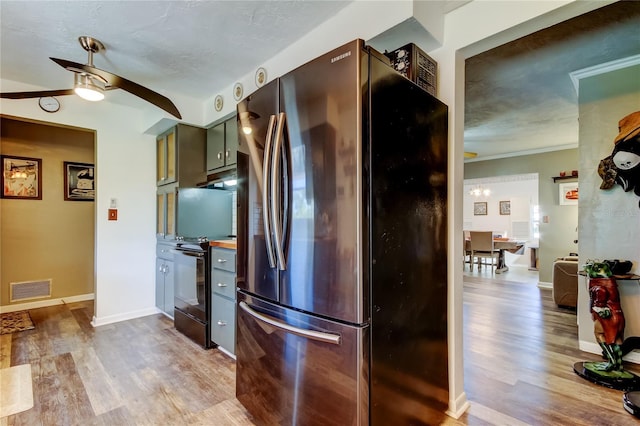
{"points": [[609, 219], [48, 238], [557, 235]]}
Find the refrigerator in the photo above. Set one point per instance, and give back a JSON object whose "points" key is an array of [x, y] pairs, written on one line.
{"points": [[342, 238]]}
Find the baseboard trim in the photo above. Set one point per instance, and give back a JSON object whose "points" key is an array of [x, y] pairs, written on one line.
{"points": [[594, 348], [97, 322], [45, 303], [458, 406], [544, 284]]}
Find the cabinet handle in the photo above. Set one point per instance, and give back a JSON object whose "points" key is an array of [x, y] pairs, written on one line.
{"points": [[222, 323], [219, 156], [161, 268], [221, 285], [226, 154], [222, 260]]}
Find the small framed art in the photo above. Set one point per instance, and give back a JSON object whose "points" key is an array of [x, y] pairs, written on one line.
{"points": [[480, 208], [505, 207], [79, 181], [21, 177]]}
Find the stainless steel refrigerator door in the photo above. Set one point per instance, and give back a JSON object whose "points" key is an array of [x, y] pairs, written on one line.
{"points": [[322, 104], [296, 369], [256, 265]]}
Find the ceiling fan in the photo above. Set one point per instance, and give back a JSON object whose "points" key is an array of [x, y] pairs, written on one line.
{"points": [[90, 83]]}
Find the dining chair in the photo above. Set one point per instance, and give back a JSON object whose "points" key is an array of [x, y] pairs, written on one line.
{"points": [[482, 248], [466, 250]]}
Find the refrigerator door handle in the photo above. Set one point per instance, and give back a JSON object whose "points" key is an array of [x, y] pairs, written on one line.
{"points": [[334, 339], [276, 214], [266, 168]]}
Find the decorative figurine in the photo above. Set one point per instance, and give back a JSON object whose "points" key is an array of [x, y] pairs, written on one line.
{"points": [[608, 327], [623, 165]]}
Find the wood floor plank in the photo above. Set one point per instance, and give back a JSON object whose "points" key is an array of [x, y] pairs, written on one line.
{"points": [[96, 381], [519, 350]]}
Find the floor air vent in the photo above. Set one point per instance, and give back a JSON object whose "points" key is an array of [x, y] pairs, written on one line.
{"points": [[30, 290]]}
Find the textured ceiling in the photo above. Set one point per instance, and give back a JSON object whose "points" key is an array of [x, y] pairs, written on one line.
{"points": [[191, 48], [519, 96]]}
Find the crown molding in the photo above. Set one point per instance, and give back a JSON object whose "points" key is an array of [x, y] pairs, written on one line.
{"points": [[603, 68]]}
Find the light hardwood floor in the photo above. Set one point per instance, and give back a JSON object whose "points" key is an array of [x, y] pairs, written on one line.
{"points": [[519, 353]]}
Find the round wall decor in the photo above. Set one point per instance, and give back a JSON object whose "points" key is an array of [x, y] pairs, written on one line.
{"points": [[49, 104], [237, 91], [261, 76], [218, 102]]}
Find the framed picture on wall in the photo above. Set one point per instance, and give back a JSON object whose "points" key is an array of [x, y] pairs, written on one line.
{"points": [[568, 194], [21, 177], [480, 208], [79, 182], [505, 207]]}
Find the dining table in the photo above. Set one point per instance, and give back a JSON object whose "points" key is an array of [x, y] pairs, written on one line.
{"points": [[504, 244]]}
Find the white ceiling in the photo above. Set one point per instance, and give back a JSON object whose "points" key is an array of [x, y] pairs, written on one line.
{"points": [[519, 96]]}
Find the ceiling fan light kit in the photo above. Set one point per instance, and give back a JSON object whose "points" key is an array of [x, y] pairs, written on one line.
{"points": [[90, 83], [85, 88]]}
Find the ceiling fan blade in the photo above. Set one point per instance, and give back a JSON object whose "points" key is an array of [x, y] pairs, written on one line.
{"points": [[127, 85], [36, 94]]}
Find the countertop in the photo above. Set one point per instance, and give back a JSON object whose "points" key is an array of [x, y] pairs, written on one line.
{"points": [[228, 244]]}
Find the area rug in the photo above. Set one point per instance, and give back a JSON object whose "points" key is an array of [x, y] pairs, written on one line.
{"points": [[17, 392], [11, 322]]}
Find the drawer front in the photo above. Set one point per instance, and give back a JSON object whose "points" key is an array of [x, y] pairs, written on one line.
{"points": [[223, 322], [164, 251], [223, 259], [224, 283]]}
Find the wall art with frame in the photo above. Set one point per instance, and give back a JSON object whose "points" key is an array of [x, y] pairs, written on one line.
{"points": [[505, 207], [568, 194], [21, 177], [480, 208], [79, 181]]}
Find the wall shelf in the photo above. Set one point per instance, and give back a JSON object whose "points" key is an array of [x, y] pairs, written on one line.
{"points": [[557, 178]]}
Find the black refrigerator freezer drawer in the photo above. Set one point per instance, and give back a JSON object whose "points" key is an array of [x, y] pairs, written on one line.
{"points": [[293, 368]]}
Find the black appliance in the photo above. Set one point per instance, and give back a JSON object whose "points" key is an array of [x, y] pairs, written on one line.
{"points": [[417, 66], [202, 215], [342, 246], [192, 291]]}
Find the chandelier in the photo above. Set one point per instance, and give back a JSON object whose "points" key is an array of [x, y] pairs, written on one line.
{"points": [[479, 190]]}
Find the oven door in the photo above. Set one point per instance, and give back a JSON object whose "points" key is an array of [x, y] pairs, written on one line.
{"points": [[190, 283]]}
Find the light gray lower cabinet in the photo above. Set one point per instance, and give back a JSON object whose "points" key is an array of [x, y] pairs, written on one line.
{"points": [[164, 279], [223, 298], [223, 325]]}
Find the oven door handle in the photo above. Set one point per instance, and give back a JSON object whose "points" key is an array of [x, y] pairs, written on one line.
{"points": [[189, 253], [334, 339]]}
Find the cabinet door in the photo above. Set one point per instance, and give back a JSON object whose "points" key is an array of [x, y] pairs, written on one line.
{"points": [[160, 284], [231, 141], [168, 288], [161, 160], [166, 213], [161, 215], [171, 213], [223, 322], [166, 157], [223, 259], [215, 147], [224, 283]]}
